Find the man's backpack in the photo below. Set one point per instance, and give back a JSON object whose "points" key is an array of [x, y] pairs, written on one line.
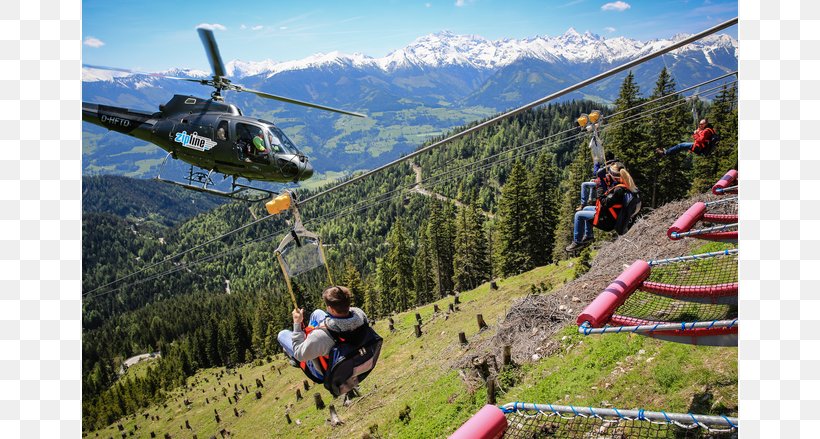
{"points": [[352, 359], [630, 209], [710, 145]]}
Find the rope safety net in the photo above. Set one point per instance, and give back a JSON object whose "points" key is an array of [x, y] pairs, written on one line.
{"points": [[547, 421], [684, 290]]}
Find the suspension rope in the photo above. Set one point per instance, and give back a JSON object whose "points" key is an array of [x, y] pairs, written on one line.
{"points": [[365, 204], [462, 134]]}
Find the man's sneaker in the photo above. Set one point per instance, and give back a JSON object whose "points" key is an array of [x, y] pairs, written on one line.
{"points": [[578, 245], [587, 240], [660, 152], [293, 362], [580, 207]]}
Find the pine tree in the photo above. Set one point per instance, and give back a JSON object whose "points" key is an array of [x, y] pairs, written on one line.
{"points": [[663, 180], [625, 138], [514, 231], [543, 194], [470, 262], [262, 319], [440, 231], [352, 279], [707, 170], [400, 268], [423, 281], [568, 195]]}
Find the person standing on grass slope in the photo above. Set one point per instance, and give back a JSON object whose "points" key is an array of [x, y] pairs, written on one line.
{"points": [[703, 138], [330, 338]]}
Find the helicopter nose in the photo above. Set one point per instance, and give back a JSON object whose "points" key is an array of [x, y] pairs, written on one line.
{"points": [[307, 171]]}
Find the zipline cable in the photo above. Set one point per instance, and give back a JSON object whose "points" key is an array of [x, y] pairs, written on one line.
{"points": [[369, 203], [470, 130]]}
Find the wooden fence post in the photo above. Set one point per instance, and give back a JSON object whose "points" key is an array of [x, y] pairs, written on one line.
{"points": [[287, 418], [306, 384], [462, 338], [435, 307], [298, 395], [391, 323], [418, 330]]}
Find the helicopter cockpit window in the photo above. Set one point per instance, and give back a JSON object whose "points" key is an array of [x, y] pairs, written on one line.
{"points": [[284, 142], [252, 140]]}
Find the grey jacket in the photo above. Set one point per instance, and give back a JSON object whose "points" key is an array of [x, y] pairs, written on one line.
{"points": [[319, 343]]}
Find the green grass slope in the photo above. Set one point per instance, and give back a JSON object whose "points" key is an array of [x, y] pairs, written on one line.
{"points": [[421, 377]]}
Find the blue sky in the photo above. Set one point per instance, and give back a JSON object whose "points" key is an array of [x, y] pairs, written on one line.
{"points": [[156, 35]]}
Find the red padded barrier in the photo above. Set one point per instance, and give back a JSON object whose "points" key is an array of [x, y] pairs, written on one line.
{"points": [[719, 236], [727, 180], [488, 423], [598, 312], [687, 220], [720, 218], [719, 290]]}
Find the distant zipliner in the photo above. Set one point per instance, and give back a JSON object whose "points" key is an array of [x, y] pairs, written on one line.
{"points": [[705, 138], [213, 135], [337, 347]]}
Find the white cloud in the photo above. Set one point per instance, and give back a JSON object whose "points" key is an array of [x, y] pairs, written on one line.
{"points": [[428, 5], [242, 27], [283, 28], [460, 3], [258, 27], [609, 29], [93, 42], [616, 6], [211, 26]]}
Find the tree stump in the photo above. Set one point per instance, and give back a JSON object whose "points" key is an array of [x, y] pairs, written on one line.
{"points": [[506, 359], [481, 367], [418, 330], [480, 319], [334, 417], [452, 308], [207, 401], [153, 435], [235, 412], [418, 318], [217, 418], [317, 398], [298, 395], [259, 383], [188, 425], [120, 427], [435, 307], [240, 377], [287, 418], [390, 324], [493, 285], [462, 338], [306, 384], [258, 395], [455, 299], [490, 391]]}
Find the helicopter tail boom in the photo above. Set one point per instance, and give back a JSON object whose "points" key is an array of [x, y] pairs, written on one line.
{"points": [[118, 119]]}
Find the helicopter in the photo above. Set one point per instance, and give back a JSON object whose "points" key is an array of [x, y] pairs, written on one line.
{"points": [[213, 135]]}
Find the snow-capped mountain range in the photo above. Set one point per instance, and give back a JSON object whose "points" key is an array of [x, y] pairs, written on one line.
{"points": [[437, 82], [446, 49]]}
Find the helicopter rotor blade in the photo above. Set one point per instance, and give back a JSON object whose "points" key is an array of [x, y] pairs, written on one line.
{"points": [[297, 102], [212, 51], [137, 72]]}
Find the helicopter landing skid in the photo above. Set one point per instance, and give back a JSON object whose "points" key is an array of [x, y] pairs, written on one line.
{"points": [[202, 182]]}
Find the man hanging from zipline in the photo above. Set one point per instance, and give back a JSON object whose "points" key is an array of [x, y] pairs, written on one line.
{"points": [[337, 348], [704, 138]]}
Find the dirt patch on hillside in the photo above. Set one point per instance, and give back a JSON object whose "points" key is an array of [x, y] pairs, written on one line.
{"points": [[532, 321]]}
